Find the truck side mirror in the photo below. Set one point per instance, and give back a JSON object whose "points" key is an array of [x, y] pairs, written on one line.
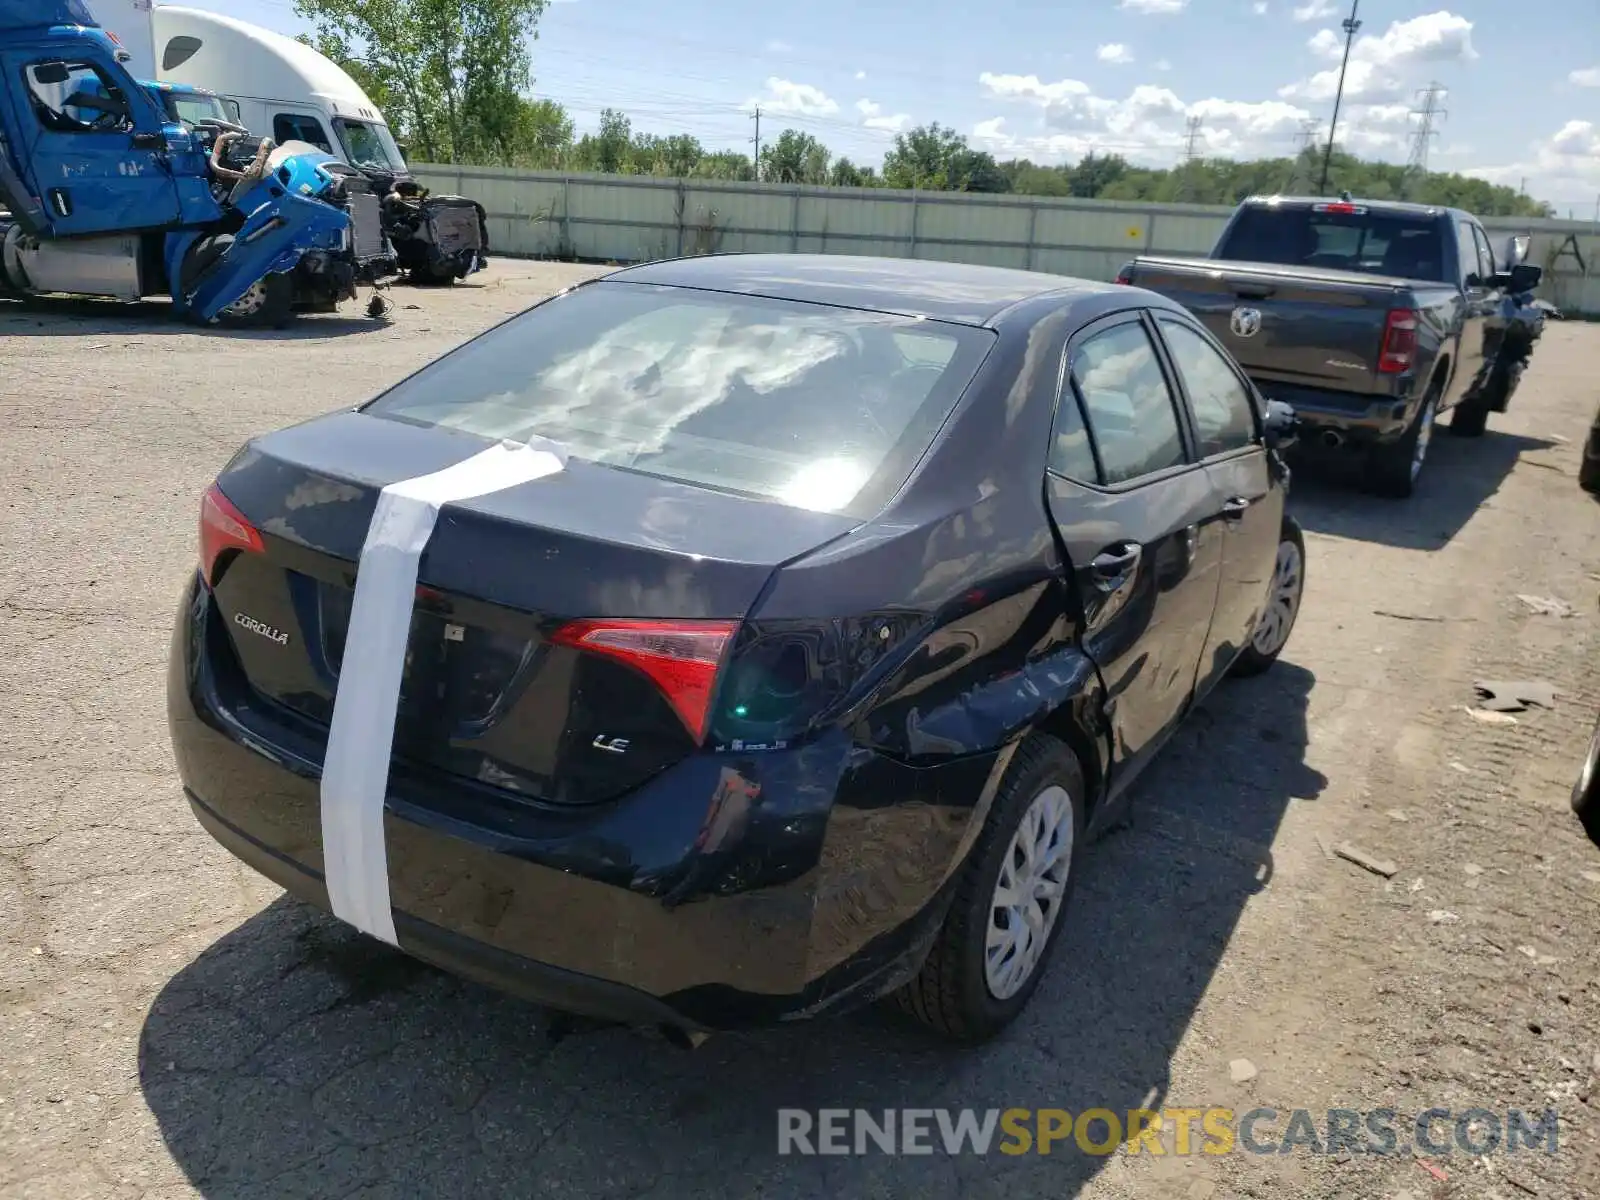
{"points": [[1282, 425], [1525, 277], [51, 74]]}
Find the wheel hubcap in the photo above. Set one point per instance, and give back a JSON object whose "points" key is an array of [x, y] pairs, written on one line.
{"points": [[251, 302], [1028, 895], [1424, 436], [1283, 602]]}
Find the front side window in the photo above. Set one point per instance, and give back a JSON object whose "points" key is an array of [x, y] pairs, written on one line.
{"points": [[292, 127], [1485, 256], [1130, 409], [76, 97], [813, 406], [1224, 414]]}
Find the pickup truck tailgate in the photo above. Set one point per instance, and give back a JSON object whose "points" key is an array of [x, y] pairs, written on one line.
{"points": [[1317, 328]]}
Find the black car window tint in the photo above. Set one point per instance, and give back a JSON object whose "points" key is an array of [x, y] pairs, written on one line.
{"points": [[1128, 403], [1223, 414], [1071, 453]]}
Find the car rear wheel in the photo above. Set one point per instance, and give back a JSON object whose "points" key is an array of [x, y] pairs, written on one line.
{"points": [[1394, 468], [991, 951], [1278, 615]]}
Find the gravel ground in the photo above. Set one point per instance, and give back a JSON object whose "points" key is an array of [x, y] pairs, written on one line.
{"points": [[172, 1026]]}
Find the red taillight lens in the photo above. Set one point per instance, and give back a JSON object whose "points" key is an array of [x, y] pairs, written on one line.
{"points": [[1125, 276], [223, 527], [680, 657], [1399, 351]]}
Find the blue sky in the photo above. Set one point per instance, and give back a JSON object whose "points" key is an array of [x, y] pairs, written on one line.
{"points": [[1054, 80]]}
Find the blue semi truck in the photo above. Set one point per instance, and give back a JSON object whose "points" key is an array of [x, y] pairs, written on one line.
{"points": [[106, 191]]}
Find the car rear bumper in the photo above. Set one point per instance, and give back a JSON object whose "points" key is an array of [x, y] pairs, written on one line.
{"points": [[1353, 419], [729, 891]]}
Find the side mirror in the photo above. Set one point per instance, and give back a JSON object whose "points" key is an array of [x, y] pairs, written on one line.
{"points": [[1516, 249], [1282, 426], [405, 150], [1524, 277], [51, 74]]}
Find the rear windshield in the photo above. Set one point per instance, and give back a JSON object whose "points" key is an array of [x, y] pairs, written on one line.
{"points": [[818, 407], [1371, 243]]}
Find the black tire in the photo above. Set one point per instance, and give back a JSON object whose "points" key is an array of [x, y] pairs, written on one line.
{"points": [[1586, 791], [429, 275], [951, 994], [268, 305], [1253, 660], [1390, 466], [1589, 467]]}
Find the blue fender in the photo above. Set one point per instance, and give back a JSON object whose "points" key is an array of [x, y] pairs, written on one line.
{"points": [[279, 229], [173, 253]]}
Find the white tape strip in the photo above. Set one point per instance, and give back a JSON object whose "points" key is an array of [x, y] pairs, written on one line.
{"points": [[355, 773]]}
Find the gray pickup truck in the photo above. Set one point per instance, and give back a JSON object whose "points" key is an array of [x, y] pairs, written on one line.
{"points": [[1370, 318]]}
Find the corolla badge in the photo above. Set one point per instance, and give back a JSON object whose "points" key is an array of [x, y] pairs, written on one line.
{"points": [[261, 628], [1246, 322]]}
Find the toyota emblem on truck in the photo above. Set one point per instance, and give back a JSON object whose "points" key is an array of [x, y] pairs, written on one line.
{"points": [[1246, 322]]}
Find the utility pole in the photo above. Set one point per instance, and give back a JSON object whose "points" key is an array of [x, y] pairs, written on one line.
{"points": [[1351, 25], [1191, 143], [756, 117], [1305, 143], [1422, 139]]}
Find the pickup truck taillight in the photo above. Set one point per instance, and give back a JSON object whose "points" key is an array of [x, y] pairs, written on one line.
{"points": [[1125, 276], [1399, 351]]}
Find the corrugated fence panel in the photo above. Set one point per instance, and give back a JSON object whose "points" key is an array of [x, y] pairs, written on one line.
{"points": [[632, 218]]}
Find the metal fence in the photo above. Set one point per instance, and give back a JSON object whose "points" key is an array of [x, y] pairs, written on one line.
{"points": [[621, 218]]}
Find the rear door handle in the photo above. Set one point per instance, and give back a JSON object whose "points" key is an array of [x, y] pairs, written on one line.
{"points": [[1112, 567], [1234, 509]]}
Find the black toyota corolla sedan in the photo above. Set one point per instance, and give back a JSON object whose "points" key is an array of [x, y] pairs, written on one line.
{"points": [[846, 598]]}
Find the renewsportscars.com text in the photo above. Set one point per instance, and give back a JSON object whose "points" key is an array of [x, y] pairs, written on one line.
{"points": [[1169, 1131]]}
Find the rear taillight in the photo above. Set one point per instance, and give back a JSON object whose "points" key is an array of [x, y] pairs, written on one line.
{"points": [[223, 528], [680, 657], [1125, 276], [1399, 351]]}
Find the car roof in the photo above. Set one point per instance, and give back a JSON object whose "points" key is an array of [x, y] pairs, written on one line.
{"points": [[960, 293]]}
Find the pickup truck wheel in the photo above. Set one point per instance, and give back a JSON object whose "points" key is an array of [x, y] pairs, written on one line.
{"points": [[1393, 469], [1010, 900], [1586, 791], [1277, 618]]}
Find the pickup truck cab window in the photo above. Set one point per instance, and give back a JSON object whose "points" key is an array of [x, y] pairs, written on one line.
{"points": [[76, 97], [1131, 411], [1341, 237], [1224, 414]]}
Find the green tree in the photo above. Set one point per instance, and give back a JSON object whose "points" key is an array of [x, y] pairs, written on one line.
{"points": [[454, 68], [795, 157]]}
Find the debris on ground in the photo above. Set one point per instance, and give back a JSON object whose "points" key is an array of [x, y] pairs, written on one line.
{"points": [[1400, 616], [1489, 718], [1242, 1070], [1432, 1170], [1547, 606], [1365, 860], [1516, 695], [1398, 814], [1443, 916]]}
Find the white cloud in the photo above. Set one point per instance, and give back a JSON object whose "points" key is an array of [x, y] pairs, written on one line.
{"points": [[860, 75], [1315, 10], [1259, 8], [1382, 66], [1588, 77], [1153, 7], [1562, 167], [872, 117], [794, 99], [1163, 64], [1114, 52], [777, 47]]}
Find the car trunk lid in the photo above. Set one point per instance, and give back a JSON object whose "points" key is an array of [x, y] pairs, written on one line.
{"points": [[501, 687]]}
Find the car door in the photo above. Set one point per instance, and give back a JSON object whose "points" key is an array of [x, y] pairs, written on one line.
{"points": [[1479, 298], [1138, 518], [92, 145], [1229, 441]]}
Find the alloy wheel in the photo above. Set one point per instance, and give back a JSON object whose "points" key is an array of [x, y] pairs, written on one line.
{"points": [[1028, 895], [1283, 602], [251, 302]]}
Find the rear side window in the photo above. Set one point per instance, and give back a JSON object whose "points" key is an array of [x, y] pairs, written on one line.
{"points": [[1365, 241], [1132, 419], [818, 407], [1224, 414], [291, 127]]}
